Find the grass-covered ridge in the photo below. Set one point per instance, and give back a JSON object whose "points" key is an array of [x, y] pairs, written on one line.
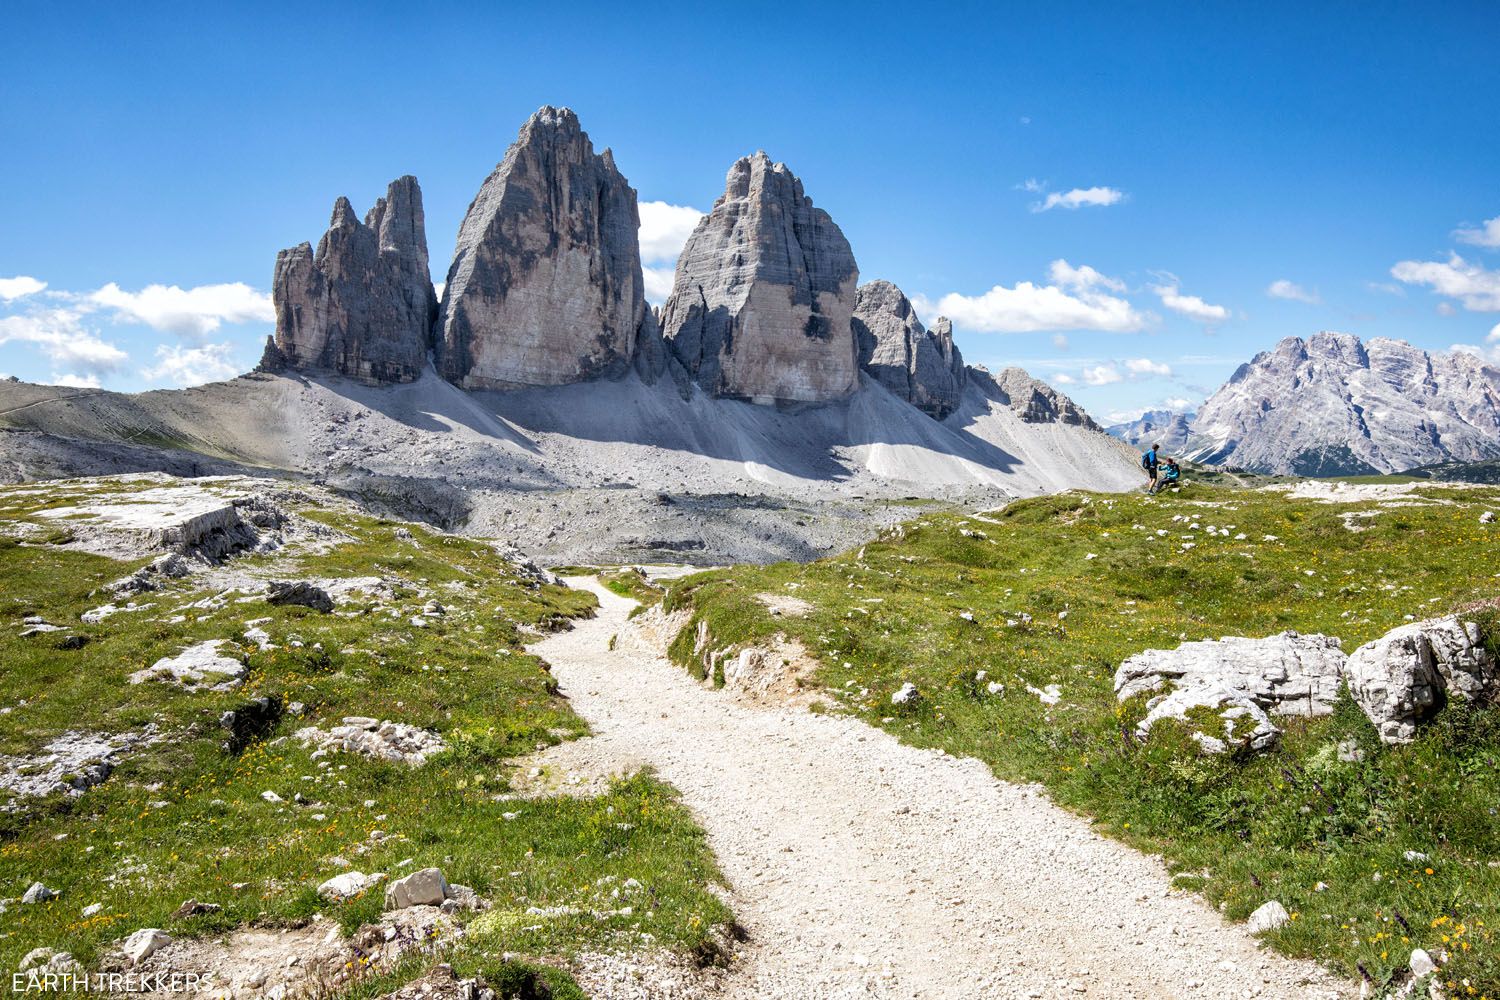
{"points": [[184, 817], [1061, 589]]}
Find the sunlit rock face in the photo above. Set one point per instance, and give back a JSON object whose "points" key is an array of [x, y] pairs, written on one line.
{"points": [[764, 293], [545, 287]]}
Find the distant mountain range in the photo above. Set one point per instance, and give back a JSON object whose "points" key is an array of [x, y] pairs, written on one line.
{"points": [[1333, 405]]}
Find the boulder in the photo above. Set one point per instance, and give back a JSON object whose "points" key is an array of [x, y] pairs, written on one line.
{"points": [[48, 960], [363, 304], [195, 667], [1240, 721], [545, 287], [1268, 917], [424, 887], [299, 592], [144, 943], [1285, 674], [38, 893], [1421, 963], [1408, 674], [348, 885], [764, 293], [920, 366]]}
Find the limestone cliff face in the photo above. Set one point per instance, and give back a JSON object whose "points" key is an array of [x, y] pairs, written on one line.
{"points": [[1033, 400], [764, 292], [362, 305], [545, 286], [922, 367]]}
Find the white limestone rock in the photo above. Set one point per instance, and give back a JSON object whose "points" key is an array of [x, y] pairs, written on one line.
{"points": [[1268, 917], [196, 667], [144, 943], [382, 740], [1285, 674], [1407, 674], [347, 885], [424, 887], [1241, 722]]}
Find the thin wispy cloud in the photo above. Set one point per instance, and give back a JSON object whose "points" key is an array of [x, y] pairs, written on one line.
{"points": [[1191, 306], [1486, 235], [1292, 292], [1092, 197]]}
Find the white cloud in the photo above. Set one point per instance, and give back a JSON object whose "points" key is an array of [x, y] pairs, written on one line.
{"points": [[1477, 288], [75, 381], [193, 365], [1446, 309], [1079, 198], [1082, 278], [1487, 235], [1064, 379], [1494, 335], [1145, 366], [60, 335], [19, 286], [1060, 342], [1102, 375], [437, 289], [1284, 289], [658, 282], [189, 312], [664, 230], [1190, 306], [1073, 302]]}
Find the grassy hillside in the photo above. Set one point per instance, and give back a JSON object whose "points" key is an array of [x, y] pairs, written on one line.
{"points": [[1058, 590], [185, 817]]}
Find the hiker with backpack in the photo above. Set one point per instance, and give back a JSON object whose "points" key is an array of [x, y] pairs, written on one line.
{"points": [[1151, 464], [1171, 474]]}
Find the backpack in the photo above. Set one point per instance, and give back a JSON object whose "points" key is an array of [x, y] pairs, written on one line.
{"points": [[1147, 461]]}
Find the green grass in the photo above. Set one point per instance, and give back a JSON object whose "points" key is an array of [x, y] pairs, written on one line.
{"points": [[184, 818], [634, 585], [1240, 830]]}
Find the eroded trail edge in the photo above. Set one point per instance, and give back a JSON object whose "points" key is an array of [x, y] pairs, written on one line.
{"points": [[864, 867]]}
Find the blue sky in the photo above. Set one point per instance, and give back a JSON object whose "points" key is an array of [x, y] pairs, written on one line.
{"points": [[156, 157]]}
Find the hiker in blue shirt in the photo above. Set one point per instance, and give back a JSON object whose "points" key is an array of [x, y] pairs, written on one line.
{"points": [[1150, 464]]}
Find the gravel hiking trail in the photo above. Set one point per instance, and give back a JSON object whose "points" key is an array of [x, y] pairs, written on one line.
{"points": [[865, 868]]}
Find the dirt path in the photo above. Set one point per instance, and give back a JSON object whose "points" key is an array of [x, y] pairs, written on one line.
{"points": [[865, 868]]}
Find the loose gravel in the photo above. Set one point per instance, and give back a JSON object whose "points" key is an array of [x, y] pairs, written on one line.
{"points": [[862, 867]]}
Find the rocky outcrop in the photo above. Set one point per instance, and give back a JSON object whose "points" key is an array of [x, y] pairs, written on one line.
{"points": [[1034, 401], [764, 292], [362, 305], [922, 367], [1286, 674], [1237, 721], [1409, 673], [545, 286], [1333, 405]]}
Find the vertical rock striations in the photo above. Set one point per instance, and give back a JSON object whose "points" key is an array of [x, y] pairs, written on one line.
{"points": [[363, 304], [545, 286], [922, 367], [764, 292]]}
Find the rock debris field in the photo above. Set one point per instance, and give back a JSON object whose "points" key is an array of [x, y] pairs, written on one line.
{"points": [[861, 867]]}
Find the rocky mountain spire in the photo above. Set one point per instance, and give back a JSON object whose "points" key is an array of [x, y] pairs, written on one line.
{"points": [[764, 292], [362, 305], [922, 367], [545, 286]]}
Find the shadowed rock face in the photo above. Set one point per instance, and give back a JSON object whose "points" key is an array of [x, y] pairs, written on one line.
{"points": [[545, 286], [363, 304], [922, 367], [764, 292]]}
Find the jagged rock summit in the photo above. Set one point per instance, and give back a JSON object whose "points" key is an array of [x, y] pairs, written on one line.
{"points": [[764, 292], [363, 304], [1332, 405], [545, 287], [920, 366]]}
